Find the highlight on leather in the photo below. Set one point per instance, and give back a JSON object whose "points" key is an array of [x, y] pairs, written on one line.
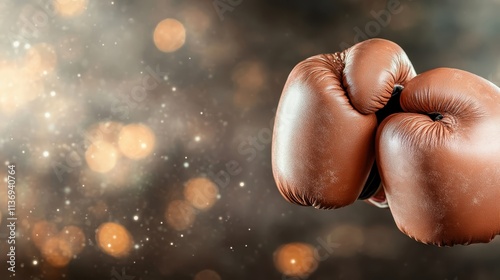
{"points": [[323, 150], [441, 175]]}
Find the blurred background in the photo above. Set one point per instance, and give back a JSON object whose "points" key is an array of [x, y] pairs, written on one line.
{"points": [[140, 132]]}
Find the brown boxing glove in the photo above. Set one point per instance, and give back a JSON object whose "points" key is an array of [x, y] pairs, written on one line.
{"points": [[440, 159], [324, 132]]}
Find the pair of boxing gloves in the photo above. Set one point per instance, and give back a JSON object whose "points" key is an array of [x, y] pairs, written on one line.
{"points": [[361, 124]]}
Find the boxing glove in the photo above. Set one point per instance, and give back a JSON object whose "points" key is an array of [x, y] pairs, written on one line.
{"points": [[439, 160], [325, 126]]}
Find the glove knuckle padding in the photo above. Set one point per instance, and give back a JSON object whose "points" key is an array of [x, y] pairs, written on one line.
{"points": [[442, 177], [323, 147], [371, 71]]}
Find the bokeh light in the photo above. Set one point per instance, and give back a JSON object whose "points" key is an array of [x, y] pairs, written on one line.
{"points": [[207, 274], [40, 60], [201, 193], [57, 252], [350, 239], [101, 156], [295, 259], [249, 78], [144, 107], [196, 20], [70, 8], [136, 141], [75, 237], [169, 35], [20, 81], [43, 231], [58, 248], [249, 75], [180, 215], [114, 239]]}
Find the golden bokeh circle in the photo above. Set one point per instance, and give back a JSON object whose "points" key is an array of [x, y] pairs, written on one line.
{"points": [[43, 231], [180, 215], [23, 85], [136, 141], [70, 8], [201, 193], [39, 60], [101, 156], [57, 247], [57, 252], [114, 239], [207, 274], [295, 259], [169, 35]]}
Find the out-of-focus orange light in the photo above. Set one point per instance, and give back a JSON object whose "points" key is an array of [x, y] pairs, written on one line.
{"points": [[249, 78], [75, 237], [169, 35], [196, 20], [57, 247], [43, 231], [57, 252], [295, 259], [101, 156], [136, 141], [180, 215], [249, 75], [207, 274], [350, 239], [70, 8], [19, 85], [40, 60], [201, 193], [114, 240]]}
